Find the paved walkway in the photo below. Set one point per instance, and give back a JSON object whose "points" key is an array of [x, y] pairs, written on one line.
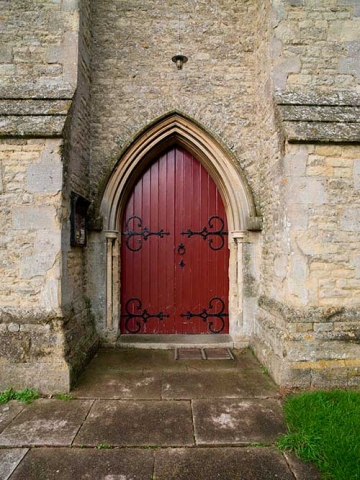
{"points": [[142, 415]]}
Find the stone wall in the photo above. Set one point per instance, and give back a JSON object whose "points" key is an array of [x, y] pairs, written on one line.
{"points": [[46, 332], [134, 82], [30, 319], [316, 45], [80, 335]]}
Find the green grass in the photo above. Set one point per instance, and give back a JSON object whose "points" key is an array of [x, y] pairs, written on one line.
{"points": [[324, 428], [63, 396], [25, 396], [102, 446]]}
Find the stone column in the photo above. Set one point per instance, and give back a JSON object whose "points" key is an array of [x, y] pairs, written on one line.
{"points": [[236, 239], [112, 279]]}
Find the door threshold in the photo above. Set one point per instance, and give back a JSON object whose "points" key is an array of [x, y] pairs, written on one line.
{"points": [[167, 342]]}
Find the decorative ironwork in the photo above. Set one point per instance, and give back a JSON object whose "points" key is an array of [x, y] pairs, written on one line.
{"points": [[181, 249], [182, 264], [207, 232], [205, 315], [144, 233], [144, 315]]}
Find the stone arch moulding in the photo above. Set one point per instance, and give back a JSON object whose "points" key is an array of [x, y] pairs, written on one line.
{"points": [[172, 129]]}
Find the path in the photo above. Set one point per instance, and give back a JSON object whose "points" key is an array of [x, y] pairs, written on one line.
{"points": [[141, 415]]}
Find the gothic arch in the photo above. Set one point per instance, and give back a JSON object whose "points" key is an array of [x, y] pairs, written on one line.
{"points": [[178, 129]]}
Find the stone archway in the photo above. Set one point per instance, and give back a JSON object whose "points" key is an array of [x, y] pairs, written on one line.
{"points": [[176, 129]]}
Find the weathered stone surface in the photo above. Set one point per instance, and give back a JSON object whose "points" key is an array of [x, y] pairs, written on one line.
{"points": [[137, 423], [237, 422], [34, 218], [231, 384], [31, 126], [322, 132], [8, 412], [320, 113], [46, 423], [221, 463], [67, 464], [302, 471], [34, 107], [117, 384], [9, 460]]}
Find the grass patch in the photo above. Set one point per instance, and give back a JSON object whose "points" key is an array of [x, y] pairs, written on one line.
{"points": [[102, 446], [324, 428], [25, 396], [64, 396]]}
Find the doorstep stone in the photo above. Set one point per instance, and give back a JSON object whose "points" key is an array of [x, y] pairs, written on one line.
{"points": [[221, 464], [9, 460], [76, 464], [137, 423], [46, 423], [237, 422]]}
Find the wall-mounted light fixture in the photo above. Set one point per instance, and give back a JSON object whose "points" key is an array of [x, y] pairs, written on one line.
{"points": [[179, 60]]}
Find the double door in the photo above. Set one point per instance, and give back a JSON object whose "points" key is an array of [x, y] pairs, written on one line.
{"points": [[174, 251]]}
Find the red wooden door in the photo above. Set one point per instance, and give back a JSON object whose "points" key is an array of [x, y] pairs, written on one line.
{"points": [[174, 251]]}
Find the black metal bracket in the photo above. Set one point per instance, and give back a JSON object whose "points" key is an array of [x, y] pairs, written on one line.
{"points": [[144, 315], [205, 232], [143, 233], [205, 315]]}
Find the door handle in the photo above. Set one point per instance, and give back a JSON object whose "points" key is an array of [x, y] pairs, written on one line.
{"points": [[181, 249]]}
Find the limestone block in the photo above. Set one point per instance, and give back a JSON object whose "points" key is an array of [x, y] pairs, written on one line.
{"points": [[357, 175], [37, 265], [298, 267], [49, 297], [1, 179], [34, 218], [70, 5], [281, 266], [46, 175], [307, 190], [298, 216], [281, 69], [344, 30], [350, 219], [295, 162]]}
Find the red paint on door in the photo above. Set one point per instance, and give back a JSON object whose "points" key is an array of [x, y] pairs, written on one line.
{"points": [[174, 251]]}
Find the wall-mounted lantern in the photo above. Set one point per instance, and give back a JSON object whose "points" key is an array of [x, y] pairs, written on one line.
{"points": [[179, 60], [79, 207]]}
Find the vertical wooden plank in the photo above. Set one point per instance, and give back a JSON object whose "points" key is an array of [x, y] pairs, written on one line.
{"points": [[174, 194]]}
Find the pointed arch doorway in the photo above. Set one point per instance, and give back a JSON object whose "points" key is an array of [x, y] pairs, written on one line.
{"points": [[175, 129], [174, 251]]}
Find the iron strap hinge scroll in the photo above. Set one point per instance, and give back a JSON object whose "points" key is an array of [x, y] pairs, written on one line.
{"points": [[144, 315], [205, 315], [210, 232], [144, 233]]}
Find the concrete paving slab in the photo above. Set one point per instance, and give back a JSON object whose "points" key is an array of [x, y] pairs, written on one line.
{"points": [[137, 423], [301, 470], [46, 423], [237, 422], [212, 384], [8, 412], [117, 384], [81, 464], [9, 460], [221, 464]]}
